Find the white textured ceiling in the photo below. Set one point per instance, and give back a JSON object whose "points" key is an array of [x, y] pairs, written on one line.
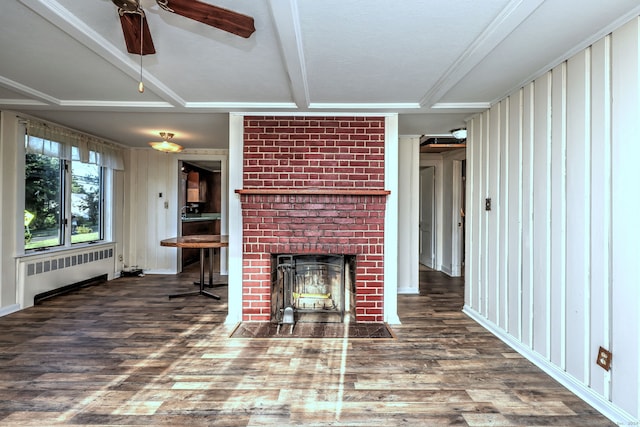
{"points": [[434, 62]]}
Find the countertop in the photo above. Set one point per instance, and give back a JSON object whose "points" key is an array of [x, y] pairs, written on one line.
{"points": [[201, 217]]}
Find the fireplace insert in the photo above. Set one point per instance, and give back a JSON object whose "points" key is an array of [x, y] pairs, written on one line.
{"points": [[311, 288]]}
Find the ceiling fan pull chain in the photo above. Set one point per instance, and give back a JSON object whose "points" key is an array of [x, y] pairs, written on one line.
{"points": [[164, 4], [141, 84]]}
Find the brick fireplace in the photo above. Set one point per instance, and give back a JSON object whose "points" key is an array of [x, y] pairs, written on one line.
{"points": [[313, 185]]}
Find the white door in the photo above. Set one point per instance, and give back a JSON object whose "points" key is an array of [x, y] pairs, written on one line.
{"points": [[427, 216], [458, 199]]}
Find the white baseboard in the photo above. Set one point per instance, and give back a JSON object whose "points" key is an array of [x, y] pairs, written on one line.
{"points": [[9, 309], [447, 271], [585, 393]]}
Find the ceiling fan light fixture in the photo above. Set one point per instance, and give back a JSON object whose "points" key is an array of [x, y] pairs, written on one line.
{"points": [[459, 133], [166, 145]]}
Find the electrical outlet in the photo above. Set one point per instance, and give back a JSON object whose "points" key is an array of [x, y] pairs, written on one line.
{"points": [[604, 359], [120, 258]]}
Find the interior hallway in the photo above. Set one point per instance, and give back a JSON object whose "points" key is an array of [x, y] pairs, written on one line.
{"points": [[122, 353]]}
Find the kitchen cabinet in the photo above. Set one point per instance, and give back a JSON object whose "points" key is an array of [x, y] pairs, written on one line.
{"points": [[197, 187], [193, 187], [195, 226]]}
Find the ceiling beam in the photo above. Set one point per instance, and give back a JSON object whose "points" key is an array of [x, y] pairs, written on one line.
{"points": [[286, 21], [514, 14]]}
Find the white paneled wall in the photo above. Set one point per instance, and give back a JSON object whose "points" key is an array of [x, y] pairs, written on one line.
{"points": [[408, 221], [553, 268], [151, 173], [152, 210], [625, 205]]}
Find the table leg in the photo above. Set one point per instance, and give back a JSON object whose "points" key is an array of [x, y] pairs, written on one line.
{"points": [[201, 291], [211, 284], [202, 257], [210, 267]]}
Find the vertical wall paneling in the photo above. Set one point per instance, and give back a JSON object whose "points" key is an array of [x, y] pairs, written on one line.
{"points": [[477, 208], [514, 219], [115, 216], [132, 238], [559, 220], [486, 238], [469, 278], [154, 184], [141, 210], [578, 213], [473, 213], [408, 223], [151, 173], [625, 176], [166, 208], [12, 184], [569, 211], [527, 215], [541, 217], [502, 215], [493, 216], [600, 209]]}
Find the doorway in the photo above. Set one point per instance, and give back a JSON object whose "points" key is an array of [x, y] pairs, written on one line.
{"points": [[458, 218], [202, 202], [427, 216]]}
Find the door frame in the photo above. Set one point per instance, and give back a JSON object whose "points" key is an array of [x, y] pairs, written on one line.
{"points": [[457, 219], [427, 260], [437, 163], [209, 155]]}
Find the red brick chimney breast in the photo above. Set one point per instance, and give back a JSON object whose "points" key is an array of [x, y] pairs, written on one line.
{"points": [[313, 185]]}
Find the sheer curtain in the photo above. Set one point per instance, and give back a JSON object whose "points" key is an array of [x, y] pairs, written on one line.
{"points": [[56, 141]]}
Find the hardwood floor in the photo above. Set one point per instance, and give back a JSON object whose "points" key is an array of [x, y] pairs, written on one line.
{"points": [[122, 353]]}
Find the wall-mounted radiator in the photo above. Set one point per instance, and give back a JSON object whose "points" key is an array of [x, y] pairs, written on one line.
{"points": [[46, 272]]}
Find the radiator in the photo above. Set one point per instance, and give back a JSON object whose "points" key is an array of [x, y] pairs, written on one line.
{"points": [[49, 271]]}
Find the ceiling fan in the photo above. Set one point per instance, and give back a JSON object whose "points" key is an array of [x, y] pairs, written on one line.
{"points": [[136, 31]]}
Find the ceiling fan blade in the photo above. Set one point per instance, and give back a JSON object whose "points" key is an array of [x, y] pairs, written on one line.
{"points": [[224, 19], [131, 30]]}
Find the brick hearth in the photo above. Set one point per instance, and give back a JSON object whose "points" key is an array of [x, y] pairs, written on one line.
{"points": [[313, 185]]}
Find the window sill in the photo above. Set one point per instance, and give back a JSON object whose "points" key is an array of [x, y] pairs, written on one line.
{"points": [[63, 249]]}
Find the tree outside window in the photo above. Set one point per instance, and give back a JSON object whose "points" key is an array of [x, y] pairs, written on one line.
{"points": [[46, 209]]}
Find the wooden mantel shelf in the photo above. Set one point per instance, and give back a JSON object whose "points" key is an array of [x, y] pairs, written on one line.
{"points": [[314, 191]]}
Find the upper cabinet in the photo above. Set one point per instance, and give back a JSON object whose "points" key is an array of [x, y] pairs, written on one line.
{"points": [[193, 187], [202, 186]]}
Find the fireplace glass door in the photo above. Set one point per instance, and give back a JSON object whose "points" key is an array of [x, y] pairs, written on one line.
{"points": [[311, 288]]}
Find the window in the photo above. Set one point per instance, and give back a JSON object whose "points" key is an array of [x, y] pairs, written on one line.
{"points": [[86, 202], [63, 198], [43, 204]]}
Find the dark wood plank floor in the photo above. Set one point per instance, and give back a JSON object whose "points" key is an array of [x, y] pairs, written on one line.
{"points": [[122, 353]]}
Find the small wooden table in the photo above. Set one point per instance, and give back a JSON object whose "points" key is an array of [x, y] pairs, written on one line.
{"points": [[202, 242]]}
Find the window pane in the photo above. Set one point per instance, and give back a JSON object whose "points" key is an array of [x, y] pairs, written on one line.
{"points": [[43, 201], [86, 207]]}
